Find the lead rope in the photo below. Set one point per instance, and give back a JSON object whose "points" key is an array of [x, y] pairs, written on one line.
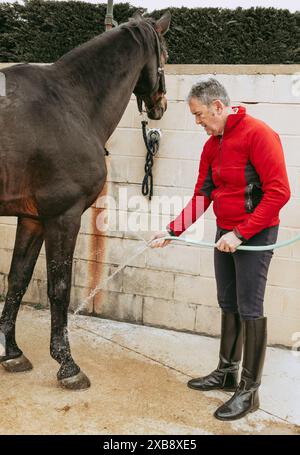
{"points": [[152, 145]]}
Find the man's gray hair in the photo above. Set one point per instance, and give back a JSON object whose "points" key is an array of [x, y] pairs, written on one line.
{"points": [[208, 90]]}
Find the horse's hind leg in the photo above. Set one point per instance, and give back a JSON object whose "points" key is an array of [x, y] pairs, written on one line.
{"points": [[29, 239]]}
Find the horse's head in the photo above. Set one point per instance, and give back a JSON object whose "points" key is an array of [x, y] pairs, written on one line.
{"points": [[151, 86]]}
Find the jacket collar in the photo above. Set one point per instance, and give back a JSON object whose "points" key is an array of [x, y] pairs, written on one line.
{"points": [[234, 118]]}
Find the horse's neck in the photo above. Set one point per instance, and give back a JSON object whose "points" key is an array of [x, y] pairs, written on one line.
{"points": [[102, 75]]}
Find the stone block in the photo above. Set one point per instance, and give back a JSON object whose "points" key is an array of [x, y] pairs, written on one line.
{"points": [[208, 320], [168, 313], [176, 258], [121, 307], [195, 289], [146, 282]]}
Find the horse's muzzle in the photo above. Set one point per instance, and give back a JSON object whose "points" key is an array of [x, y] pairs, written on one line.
{"points": [[157, 111]]}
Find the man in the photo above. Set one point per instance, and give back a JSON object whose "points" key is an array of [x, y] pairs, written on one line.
{"points": [[242, 170]]}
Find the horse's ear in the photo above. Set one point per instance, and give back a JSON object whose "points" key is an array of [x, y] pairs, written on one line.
{"points": [[137, 16], [163, 24]]}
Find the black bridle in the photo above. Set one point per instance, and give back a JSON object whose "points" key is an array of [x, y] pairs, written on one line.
{"points": [[160, 85]]}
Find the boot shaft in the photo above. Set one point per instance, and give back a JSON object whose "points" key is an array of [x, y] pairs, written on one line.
{"points": [[255, 333], [231, 342], [225, 377]]}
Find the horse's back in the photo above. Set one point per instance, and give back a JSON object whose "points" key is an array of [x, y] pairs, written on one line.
{"points": [[24, 107]]}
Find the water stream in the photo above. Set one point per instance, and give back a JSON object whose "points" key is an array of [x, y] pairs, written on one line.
{"points": [[102, 284]]}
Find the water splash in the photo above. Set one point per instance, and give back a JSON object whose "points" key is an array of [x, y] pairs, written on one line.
{"points": [[101, 285]]}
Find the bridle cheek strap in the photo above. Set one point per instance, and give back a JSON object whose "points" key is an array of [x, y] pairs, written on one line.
{"points": [[161, 81]]}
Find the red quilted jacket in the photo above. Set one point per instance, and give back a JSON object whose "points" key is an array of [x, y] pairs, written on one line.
{"points": [[243, 173]]}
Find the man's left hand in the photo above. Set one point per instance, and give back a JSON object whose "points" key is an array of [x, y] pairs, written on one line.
{"points": [[228, 243]]}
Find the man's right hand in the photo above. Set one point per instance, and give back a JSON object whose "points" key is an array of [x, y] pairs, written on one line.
{"points": [[157, 241]]}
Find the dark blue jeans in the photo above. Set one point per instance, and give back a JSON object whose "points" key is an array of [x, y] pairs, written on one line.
{"points": [[242, 276]]}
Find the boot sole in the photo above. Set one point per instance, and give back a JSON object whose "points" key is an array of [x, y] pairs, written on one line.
{"points": [[207, 389]]}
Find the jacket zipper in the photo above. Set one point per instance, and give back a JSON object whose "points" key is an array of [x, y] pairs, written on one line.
{"points": [[248, 193], [220, 154], [219, 172]]}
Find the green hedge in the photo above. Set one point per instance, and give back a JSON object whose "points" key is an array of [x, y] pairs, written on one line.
{"points": [[42, 31]]}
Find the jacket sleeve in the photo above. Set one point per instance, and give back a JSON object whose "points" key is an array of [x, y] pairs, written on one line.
{"points": [[200, 200], [266, 155]]}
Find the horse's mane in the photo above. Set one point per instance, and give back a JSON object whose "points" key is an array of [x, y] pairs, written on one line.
{"points": [[139, 30]]}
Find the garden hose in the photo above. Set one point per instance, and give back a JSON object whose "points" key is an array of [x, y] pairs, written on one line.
{"points": [[241, 247]]}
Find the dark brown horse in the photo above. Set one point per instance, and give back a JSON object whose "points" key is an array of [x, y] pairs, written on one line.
{"points": [[54, 122]]}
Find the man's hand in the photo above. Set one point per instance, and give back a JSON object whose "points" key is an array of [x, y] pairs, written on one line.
{"points": [[228, 243], [157, 240]]}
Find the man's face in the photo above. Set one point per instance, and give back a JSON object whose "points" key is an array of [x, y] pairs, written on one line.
{"points": [[212, 118]]}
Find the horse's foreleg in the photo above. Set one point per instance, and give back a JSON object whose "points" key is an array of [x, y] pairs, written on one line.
{"points": [[60, 239], [29, 239]]}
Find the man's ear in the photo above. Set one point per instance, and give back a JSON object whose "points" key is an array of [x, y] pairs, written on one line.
{"points": [[163, 24], [219, 106]]}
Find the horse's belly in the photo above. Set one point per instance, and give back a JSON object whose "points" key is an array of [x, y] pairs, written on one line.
{"points": [[15, 195], [18, 206]]}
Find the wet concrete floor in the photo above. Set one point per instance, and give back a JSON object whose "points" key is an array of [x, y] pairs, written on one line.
{"points": [[138, 377]]}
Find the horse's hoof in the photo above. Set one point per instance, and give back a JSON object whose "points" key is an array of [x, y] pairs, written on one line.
{"points": [[18, 365], [78, 382]]}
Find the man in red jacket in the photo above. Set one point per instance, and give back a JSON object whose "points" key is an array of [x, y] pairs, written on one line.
{"points": [[242, 171]]}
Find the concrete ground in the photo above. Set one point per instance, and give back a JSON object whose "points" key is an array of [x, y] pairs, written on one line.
{"points": [[139, 377]]}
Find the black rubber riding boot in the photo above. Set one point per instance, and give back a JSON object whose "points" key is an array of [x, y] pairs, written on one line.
{"points": [[246, 397], [225, 377]]}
